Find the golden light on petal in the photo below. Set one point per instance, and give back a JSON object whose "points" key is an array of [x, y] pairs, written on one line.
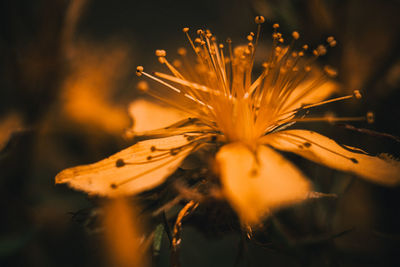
{"points": [[321, 149], [148, 115], [123, 235], [132, 170], [257, 182]]}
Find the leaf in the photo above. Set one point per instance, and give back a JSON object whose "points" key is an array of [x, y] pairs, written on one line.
{"points": [[133, 170], [255, 183], [321, 149]]}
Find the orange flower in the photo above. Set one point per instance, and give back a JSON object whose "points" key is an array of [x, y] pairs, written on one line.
{"points": [[213, 100]]}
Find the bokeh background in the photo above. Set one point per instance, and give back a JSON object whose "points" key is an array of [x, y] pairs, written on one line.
{"points": [[67, 78]]}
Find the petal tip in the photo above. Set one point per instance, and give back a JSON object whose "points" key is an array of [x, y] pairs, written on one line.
{"points": [[64, 176]]}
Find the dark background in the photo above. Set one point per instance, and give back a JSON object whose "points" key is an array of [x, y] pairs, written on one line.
{"points": [[52, 72]]}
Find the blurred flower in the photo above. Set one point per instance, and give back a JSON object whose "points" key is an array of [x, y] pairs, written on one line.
{"points": [[93, 74], [9, 124], [87, 91], [218, 104], [123, 234]]}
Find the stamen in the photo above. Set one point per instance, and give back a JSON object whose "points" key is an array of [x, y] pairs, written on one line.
{"points": [[259, 19], [356, 94], [161, 54], [139, 70], [187, 83], [160, 81], [330, 119], [186, 31], [176, 90]]}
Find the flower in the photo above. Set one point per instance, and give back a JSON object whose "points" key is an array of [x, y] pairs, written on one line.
{"points": [[213, 99]]}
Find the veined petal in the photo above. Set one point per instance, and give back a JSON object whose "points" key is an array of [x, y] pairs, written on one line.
{"points": [[149, 116], [256, 183], [324, 150], [132, 170]]}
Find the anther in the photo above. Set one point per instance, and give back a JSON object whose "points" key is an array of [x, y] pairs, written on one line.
{"points": [[275, 26], [357, 94], [305, 47], [321, 50], [330, 39], [185, 30], [119, 163], [249, 38], [161, 53], [259, 19], [281, 40], [142, 86], [295, 35], [182, 51], [331, 72], [176, 63], [370, 117], [139, 70], [221, 46], [199, 31]]}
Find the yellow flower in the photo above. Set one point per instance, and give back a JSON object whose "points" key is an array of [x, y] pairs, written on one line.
{"points": [[213, 99]]}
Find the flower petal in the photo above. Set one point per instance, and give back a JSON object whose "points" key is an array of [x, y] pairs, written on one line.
{"points": [[323, 150], [149, 116], [132, 170], [308, 93], [254, 184]]}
